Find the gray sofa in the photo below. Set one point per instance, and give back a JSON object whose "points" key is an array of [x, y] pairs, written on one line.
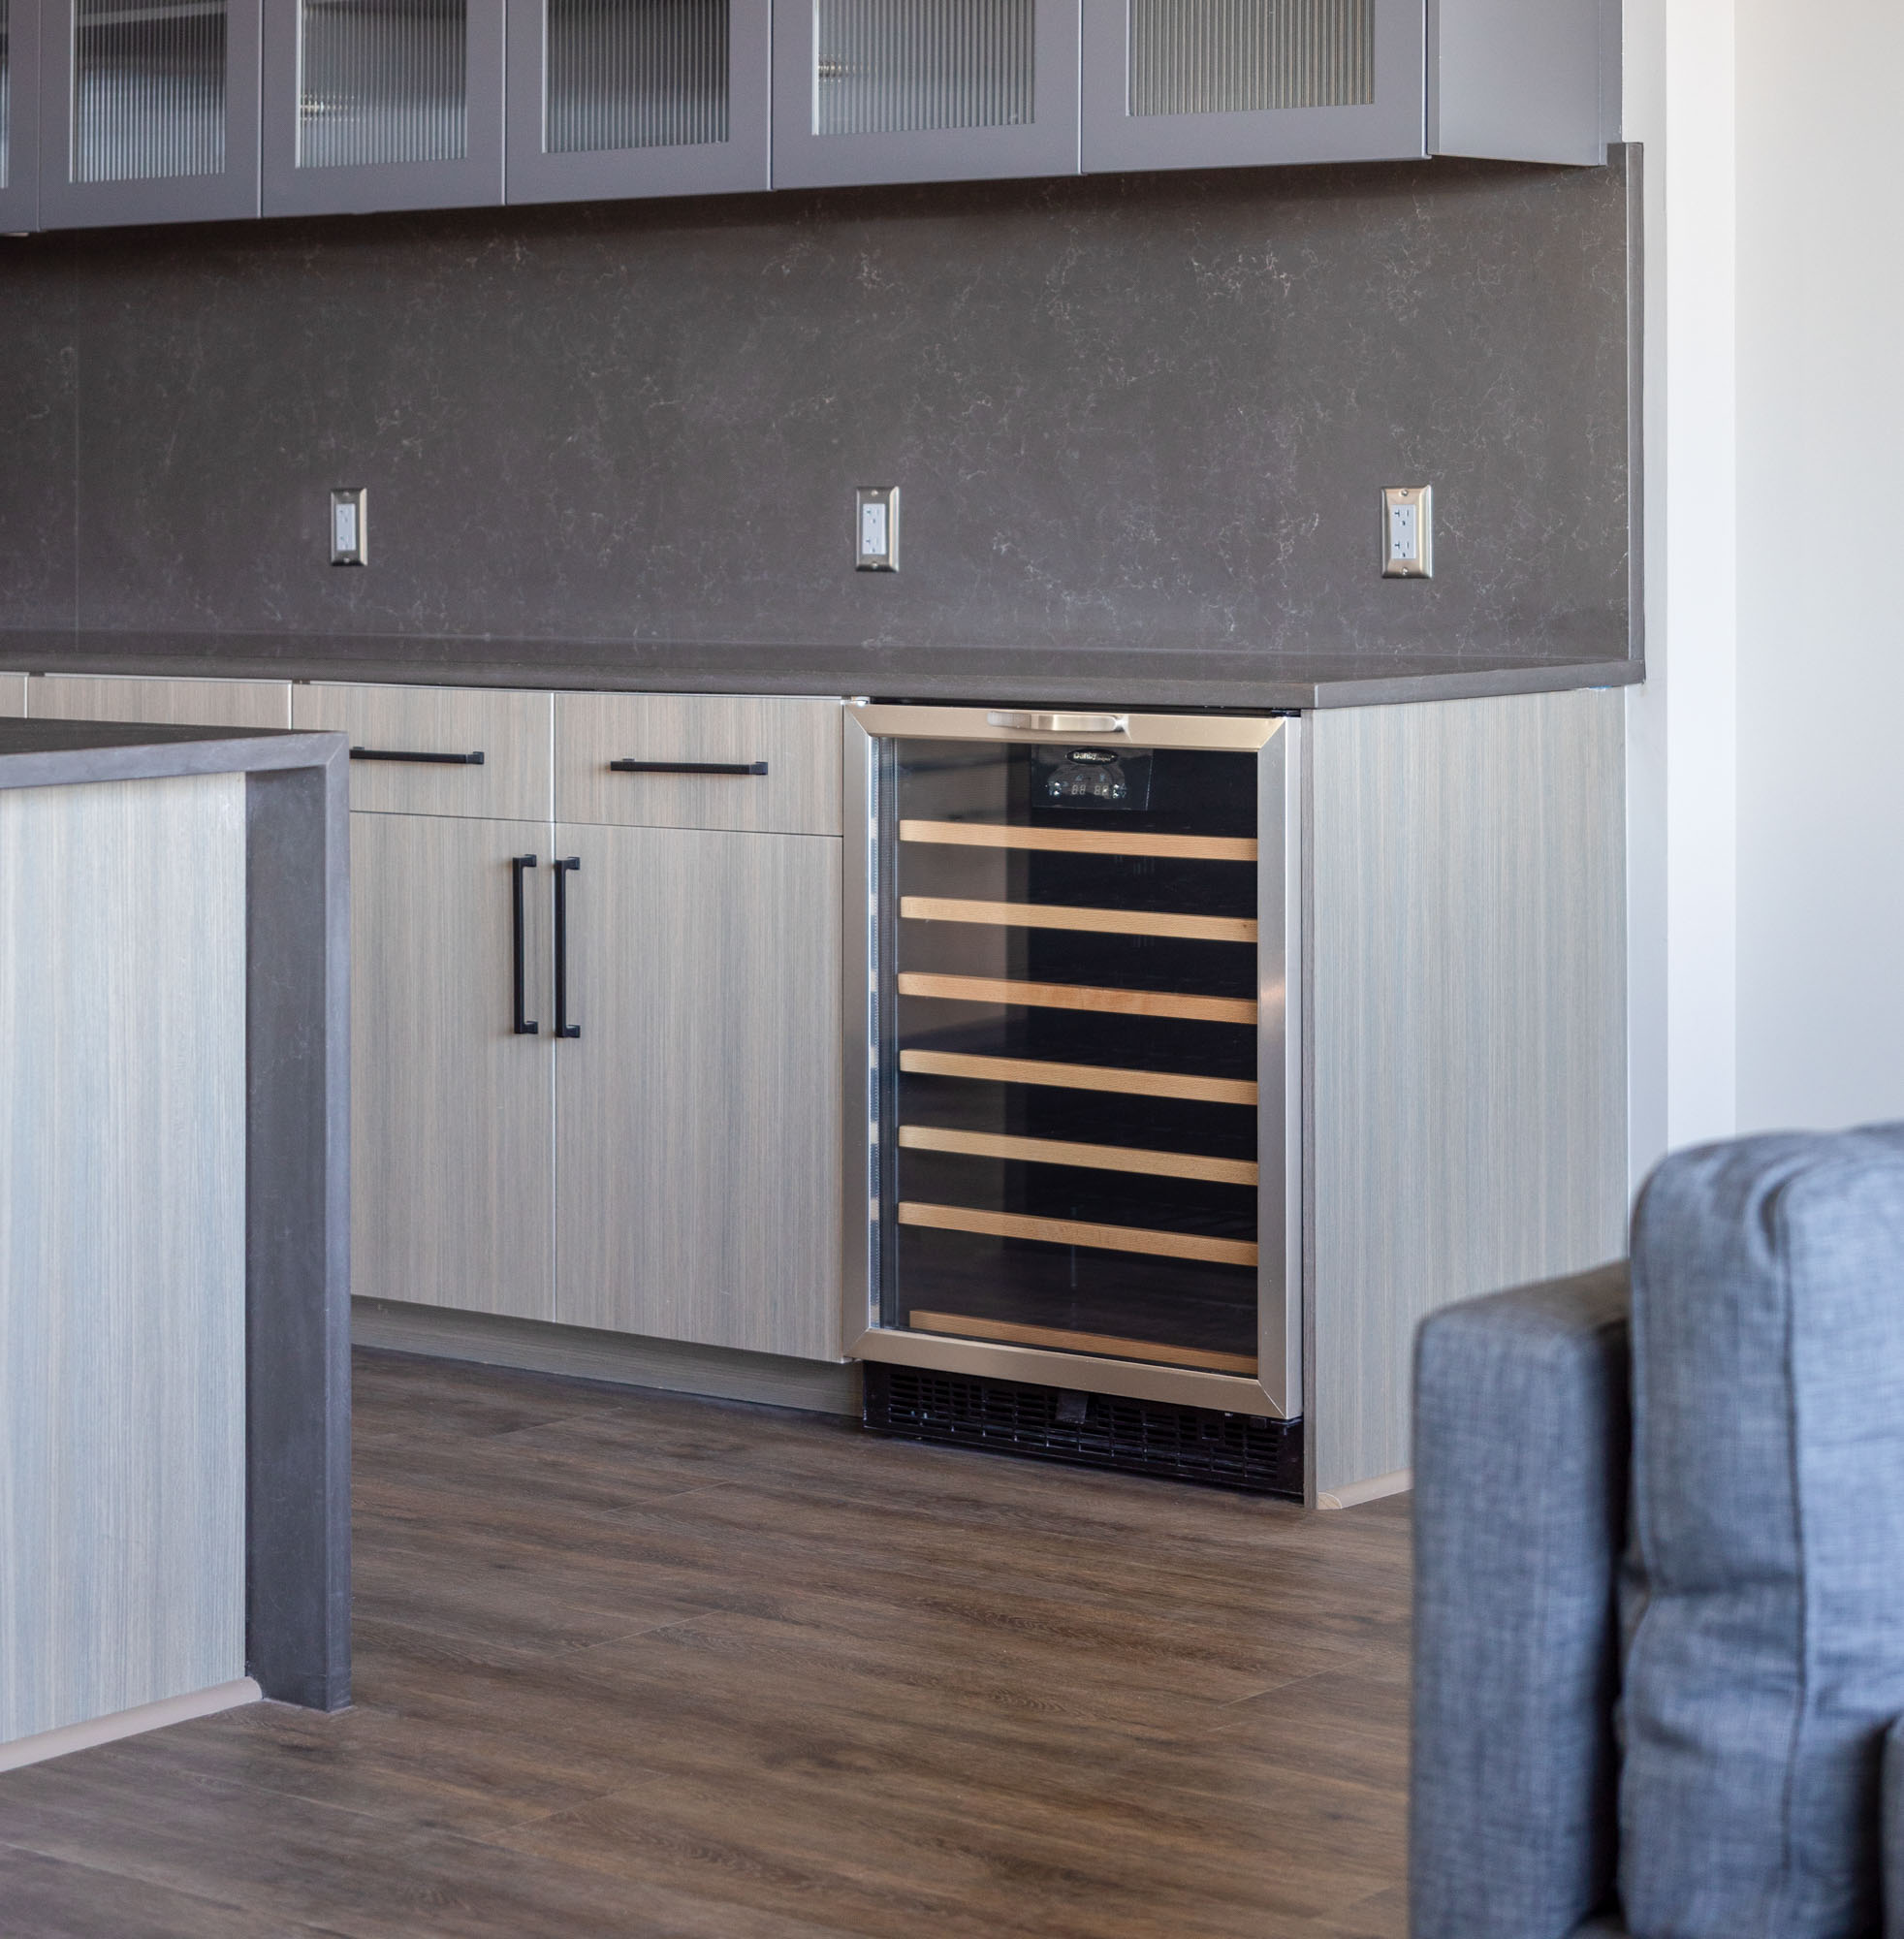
{"points": [[1659, 1570]]}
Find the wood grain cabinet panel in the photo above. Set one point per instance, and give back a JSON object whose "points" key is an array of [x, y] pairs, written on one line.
{"points": [[431, 731], [12, 696], [698, 1113], [160, 703], [453, 1188], [122, 1332], [797, 740]]}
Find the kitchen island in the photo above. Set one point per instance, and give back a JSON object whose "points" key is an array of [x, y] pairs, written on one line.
{"points": [[173, 1228]]}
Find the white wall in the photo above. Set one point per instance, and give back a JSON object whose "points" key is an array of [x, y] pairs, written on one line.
{"points": [[1681, 725], [1766, 751], [1821, 653]]}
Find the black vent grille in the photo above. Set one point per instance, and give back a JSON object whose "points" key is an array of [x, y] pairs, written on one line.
{"points": [[1184, 1444]]}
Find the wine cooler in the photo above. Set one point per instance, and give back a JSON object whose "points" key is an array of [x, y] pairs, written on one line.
{"points": [[1081, 1205]]}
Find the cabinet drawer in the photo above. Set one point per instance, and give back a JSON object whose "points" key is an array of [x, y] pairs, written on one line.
{"points": [[160, 703], [411, 748], [627, 759], [13, 695]]}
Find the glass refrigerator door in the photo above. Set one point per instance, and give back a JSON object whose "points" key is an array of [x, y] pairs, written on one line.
{"points": [[1069, 1009]]}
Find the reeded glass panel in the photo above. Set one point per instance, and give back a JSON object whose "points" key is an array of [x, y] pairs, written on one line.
{"points": [[635, 74], [1236, 56], [894, 66], [149, 89], [1068, 1003], [382, 80]]}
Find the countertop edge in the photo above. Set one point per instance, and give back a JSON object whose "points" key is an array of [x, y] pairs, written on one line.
{"points": [[1384, 685], [145, 760]]}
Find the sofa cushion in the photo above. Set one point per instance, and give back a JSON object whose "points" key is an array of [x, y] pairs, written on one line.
{"points": [[1764, 1652]]}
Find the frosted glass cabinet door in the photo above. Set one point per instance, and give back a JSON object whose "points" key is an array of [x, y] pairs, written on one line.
{"points": [[637, 97], [382, 104], [1224, 84], [19, 117], [149, 110], [923, 90]]}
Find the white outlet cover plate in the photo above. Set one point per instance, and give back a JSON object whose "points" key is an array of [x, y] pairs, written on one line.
{"points": [[876, 529], [1408, 532]]}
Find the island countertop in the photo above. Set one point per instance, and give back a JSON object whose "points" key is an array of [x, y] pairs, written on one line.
{"points": [[57, 754], [1165, 678]]}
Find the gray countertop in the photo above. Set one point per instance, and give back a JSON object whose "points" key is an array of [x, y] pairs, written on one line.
{"points": [[50, 753], [1119, 677]]}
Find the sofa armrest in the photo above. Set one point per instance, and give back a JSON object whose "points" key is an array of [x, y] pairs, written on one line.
{"points": [[1891, 1805], [1521, 1445]]}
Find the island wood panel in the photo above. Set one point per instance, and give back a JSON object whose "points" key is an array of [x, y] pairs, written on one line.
{"points": [[1079, 1076], [1467, 1012], [799, 740], [122, 1219], [1077, 997], [452, 1114], [698, 1113], [1106, 922], [1097, 1158], [1080, 841], [1078, 1232], [12, 696], [510, 730], [160, 703]]}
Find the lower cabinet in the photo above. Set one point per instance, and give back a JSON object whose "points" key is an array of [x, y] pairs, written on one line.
{"points": [[452, 1112], [671, 1167], [698, 1112]]}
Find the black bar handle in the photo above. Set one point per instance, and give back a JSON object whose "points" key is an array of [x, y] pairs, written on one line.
{"points": [[518, 866], [475, 760], [687, 766], [563, 1028]]}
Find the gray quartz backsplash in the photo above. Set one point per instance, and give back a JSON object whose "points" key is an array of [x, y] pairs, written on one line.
{"points": [[1143, 414]]}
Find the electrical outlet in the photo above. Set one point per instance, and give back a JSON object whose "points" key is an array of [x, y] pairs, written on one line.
{"points": [[1408, 532], [876, 542], [348, 536]]}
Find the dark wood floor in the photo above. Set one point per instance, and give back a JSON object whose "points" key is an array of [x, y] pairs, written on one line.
{"points": [[637, 1664]]}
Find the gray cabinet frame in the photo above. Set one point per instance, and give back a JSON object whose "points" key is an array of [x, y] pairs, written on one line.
{"points": [[1045, 145], [473, 182], [227, 195], [20, 200], [739, 163], [1392, 127]]}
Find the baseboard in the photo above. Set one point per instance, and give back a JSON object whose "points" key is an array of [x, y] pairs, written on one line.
{"points": [[538, 1346], [1358, 1492], [133, 1722]]}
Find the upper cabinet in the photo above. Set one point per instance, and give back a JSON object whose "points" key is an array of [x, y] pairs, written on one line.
{"points": [[637, 97], [149, 110], [1214, 84], [1224, 84], [382, 104], [20, 114], [923, 90]]}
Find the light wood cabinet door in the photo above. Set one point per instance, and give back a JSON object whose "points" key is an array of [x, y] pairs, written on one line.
{"points": [[698, 1111], [452, 1187], [160, 703], [13, 695], [699, 760]]}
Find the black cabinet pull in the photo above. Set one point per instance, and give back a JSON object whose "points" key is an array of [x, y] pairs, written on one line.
{"points": [[475, 760], [563, 1028], [518, 866], [687, 766]]}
